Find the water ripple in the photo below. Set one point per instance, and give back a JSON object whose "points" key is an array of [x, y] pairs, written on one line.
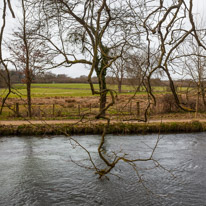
{"points": [[37, 172]]}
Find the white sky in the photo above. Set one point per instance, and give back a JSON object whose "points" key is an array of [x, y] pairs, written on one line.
{"points": [[79, 69]]}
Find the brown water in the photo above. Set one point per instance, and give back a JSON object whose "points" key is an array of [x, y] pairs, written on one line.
{"points": [[38, 171]]}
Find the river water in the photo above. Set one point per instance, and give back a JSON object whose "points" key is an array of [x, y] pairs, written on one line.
{"points": [[40, 171]]}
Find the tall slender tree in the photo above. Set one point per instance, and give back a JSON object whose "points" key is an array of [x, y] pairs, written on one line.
{"points": [[6, 4], [30, 55]]}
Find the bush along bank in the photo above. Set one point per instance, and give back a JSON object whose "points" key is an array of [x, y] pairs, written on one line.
{"points": [[115, 128]]}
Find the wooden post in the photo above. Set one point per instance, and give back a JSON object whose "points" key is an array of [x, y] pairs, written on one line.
{"points": [[130, 108], [53, 110], [79, 110], [27, 113], [17, 109], [138, 109], [90, 108], [39, 108]]}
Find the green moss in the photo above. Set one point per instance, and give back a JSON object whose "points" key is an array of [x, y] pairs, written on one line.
{"points": [[116, 128]]}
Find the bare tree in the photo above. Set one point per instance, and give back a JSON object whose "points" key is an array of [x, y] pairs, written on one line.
{"points": [[136, 66], [6, 5], [30, 55], [85, 32], [91, 29], [192, 60], [118, 71], [165, 33], [167, 25]]}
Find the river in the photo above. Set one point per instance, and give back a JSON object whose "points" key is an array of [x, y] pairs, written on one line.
{"points": [[38, 171]]}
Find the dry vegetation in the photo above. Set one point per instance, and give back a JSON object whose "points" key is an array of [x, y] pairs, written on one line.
{"points": [[126, 107]]}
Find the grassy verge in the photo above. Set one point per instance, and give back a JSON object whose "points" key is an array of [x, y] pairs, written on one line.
{"points": [[116, 128]]}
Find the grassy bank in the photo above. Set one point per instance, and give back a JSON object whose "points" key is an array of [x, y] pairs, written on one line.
{"points": [[116, 128]]}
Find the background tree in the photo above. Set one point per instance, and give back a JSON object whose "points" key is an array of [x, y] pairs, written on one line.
{"points": [[167, 25], [192, 59], [6, 4], [136, 67], [30, 55], [118, 73]]}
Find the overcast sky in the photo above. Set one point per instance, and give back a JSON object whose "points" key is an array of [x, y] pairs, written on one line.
{"points": [[78, 70]]}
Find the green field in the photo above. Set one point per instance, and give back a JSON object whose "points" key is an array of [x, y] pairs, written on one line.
{"points": [[52, 90], [57, 90], [66, 90]]}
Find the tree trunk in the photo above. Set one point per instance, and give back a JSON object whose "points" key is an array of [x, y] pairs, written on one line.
{"points": [[103, 100], [203, 93], [29, 98], [101, 71], [119, 86], [27, 61], [103, 96], [197, 101]]}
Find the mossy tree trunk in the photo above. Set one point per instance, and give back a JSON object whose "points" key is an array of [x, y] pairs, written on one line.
{"points": [[101, 71]]}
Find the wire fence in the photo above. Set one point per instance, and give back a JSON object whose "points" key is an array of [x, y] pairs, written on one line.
{"points": [[65, 111]]}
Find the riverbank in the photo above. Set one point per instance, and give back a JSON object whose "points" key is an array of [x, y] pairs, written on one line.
{"points": [[31, 128]]}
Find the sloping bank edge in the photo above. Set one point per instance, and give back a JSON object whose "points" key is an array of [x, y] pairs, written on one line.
{"points": [[115, 128]]}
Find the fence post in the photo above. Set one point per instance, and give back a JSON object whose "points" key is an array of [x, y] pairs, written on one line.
{"points": [[138, 109], [90, 108], [17, 109], [53, 110], [130, 108], [79, 110], [39, 111]]}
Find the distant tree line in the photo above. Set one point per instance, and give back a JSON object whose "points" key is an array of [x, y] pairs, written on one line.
{"points": [[18, 77]]}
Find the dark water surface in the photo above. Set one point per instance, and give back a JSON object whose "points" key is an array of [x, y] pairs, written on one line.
{"points": [[39, 171]]}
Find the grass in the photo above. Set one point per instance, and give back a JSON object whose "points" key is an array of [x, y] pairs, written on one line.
{"points": [[47, 91], [58, 85], [116, 128], [75, 86], [67, 90]]}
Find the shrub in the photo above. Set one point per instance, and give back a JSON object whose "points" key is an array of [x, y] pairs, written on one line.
{"points": [[168, 104]]}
